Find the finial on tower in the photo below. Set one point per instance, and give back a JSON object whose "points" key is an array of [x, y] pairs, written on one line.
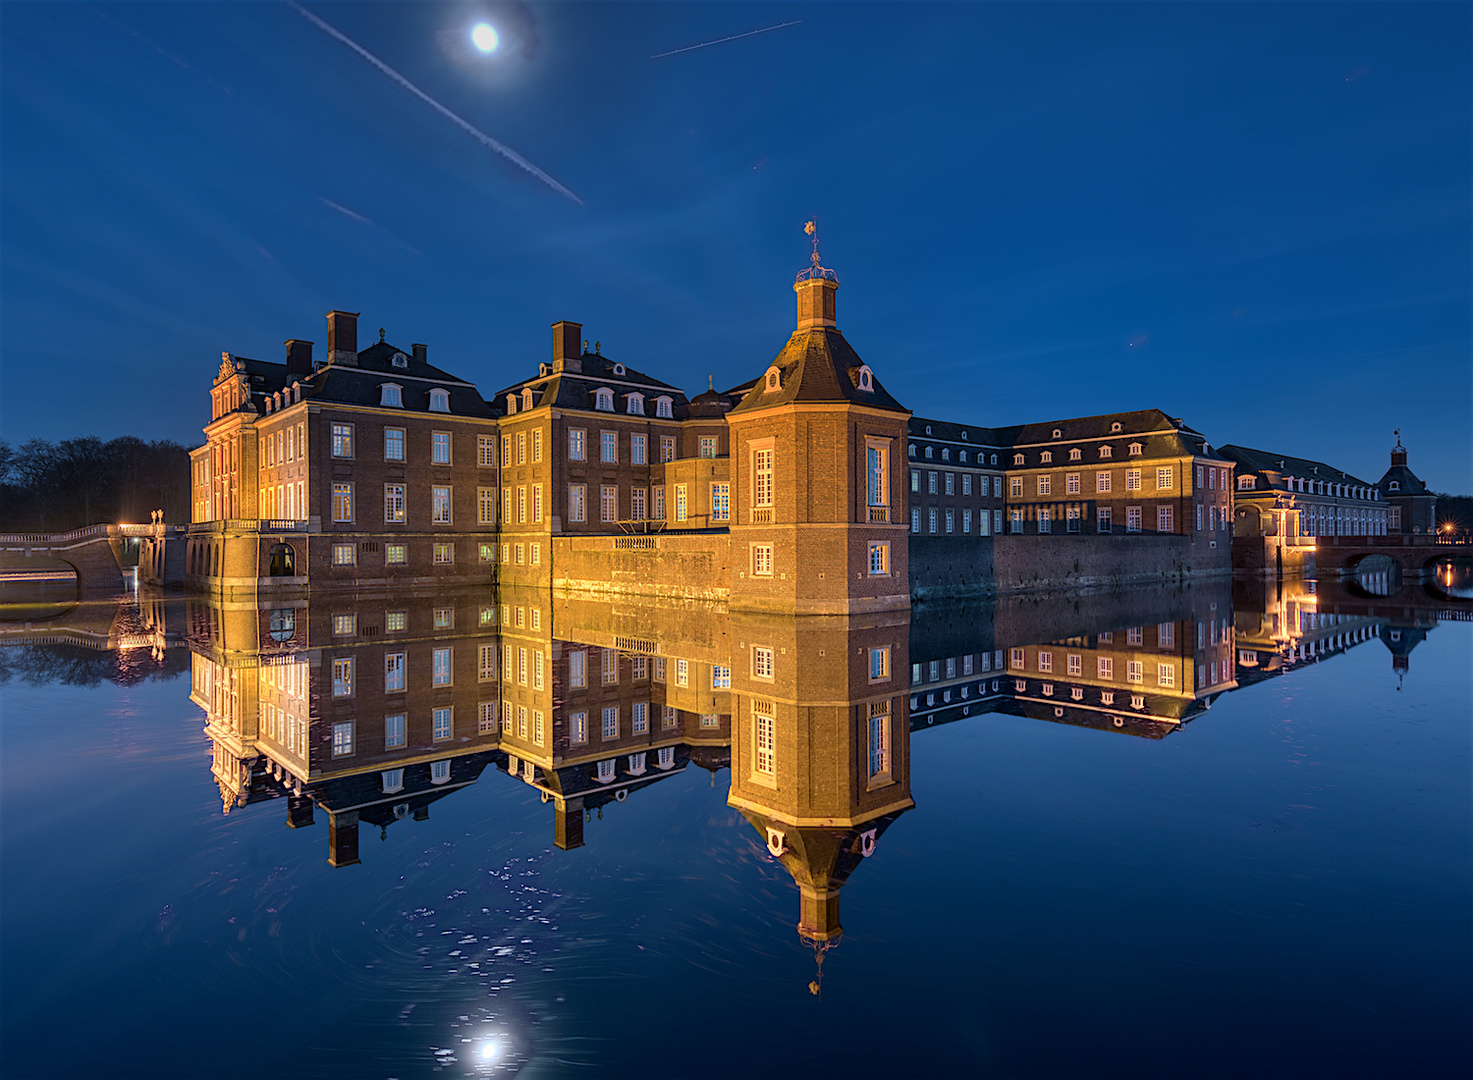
{"points": [[815, 270]]}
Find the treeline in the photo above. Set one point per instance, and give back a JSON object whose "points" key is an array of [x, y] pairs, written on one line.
{"points": [[58, 486], [1456, 510], [76, 665]]}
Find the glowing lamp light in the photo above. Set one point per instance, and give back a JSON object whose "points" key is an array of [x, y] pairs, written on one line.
{"points": [[485, 38], [491, 1050]]}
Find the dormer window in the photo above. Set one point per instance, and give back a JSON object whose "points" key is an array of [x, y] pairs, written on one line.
{"points": [[603, 399], [618, 369], [1058, 434], [994, 459], [634, 404], [1135, 449], [774, 379], [1395, 485], [296, 391], [1105, 451], [439, 401], [963, 456], [1116, 426], [928, 429], [912, 449], [542, 371], [945, 454], [930, 451], [866, 379], [1074, 454], [400, 360], [1045, 457], [1017, 459], [511, 404], [964, 436], [391, 394], [1247, 483], [526, 398], [663, 407]]}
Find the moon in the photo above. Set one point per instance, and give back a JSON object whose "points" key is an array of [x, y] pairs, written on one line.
{"points": [[485, 38]]}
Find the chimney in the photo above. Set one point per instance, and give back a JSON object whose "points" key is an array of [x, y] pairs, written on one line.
{"points": [[567, 346], [298, 357], [342, 337], [815, 302], [420, 353]]}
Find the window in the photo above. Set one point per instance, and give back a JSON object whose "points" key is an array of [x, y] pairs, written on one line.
{"points": [[444, 553], [608, 444], [578, 728], [637, 450], [663, 407], [344, 554], [1102, 519], [1015, 487], [966, 521], [915, 478], [877, 478], [1071, 484], [610, 667], [879, 558], [440, 505], [609, 502], [1017, 459], [657, 503], [951, 483], [1045, 520], [966, 482], [440, 401], [444, 618], [439, 772], [720, 677], [605, 772], [393, 673], [521, 448], [667, 448], [996, 483], [1045, 485], [933, 519], [1134, 671], [1102, 482], [915, 520], [761, 662], [536, 444], [634, 404], [774, 379], [342, 440], [441, 718], [1165, 478], [342, 739], [1132, 519], [342, 502], [682, 673], [537, 502], [538, 678], [577, 445], [342, 677], [577, 502], [440, 447], [344, 625], [486, 663], [762, 477], [879, 741], [1071, 515], [931, 482], [763, 737], [1247, 483], [396, 554], [440, 674], [1135, 449], [1015, 524], [394, 503], [665, 757], [1105, 666], [879, 664], [1132, 479], [485, 506], [950, 518], [611, 722], [680, 502], [639, 718], [486, 451], [708, 446], [667, 717], [1164, 522], [394, 444], [762, 560]]}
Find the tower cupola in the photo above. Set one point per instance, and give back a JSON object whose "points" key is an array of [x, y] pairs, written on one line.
{"points": [[1398, 452], [815, 286]]}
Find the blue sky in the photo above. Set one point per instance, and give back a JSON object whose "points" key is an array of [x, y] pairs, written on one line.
{"points": [[1254, 216]]}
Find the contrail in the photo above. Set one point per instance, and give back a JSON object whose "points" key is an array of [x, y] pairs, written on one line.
{"points": [[718, 41], [345, 210], [475, 132]]}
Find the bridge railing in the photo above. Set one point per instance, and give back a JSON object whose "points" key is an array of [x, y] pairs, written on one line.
{"points": [[267, 525], [84, 533]]}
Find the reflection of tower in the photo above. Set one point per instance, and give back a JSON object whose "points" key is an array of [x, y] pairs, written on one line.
{"points": [[1401, 640], [820, 746]]}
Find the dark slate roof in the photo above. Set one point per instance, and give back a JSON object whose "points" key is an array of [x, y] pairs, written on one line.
{"points": [[575, 389], [1158, 434], [348, 385], [818, 365], [923, 430], [1264, 462], [1409, 482]]}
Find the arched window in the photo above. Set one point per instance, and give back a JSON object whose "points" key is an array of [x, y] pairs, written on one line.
{"points": [[390, 394], [994, 459], [912, 449], [964, 457], [1045, 457], [511, 404], [865, 378], [283, 561], [1105, 452], [945, 453], [930, 451], [603, 399], [1135, 449], [439, 400], [634, 404], [526, 398], [664, 407]]}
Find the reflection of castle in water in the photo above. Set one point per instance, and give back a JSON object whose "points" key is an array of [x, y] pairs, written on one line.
{"points": [[368, 710]]}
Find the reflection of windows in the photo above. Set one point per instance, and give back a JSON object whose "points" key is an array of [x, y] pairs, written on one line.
{"points": [[610, 722], [342, 677], [342, 739], [879, 664], [577, 668], [879, 740], [763, 737], [578, 727], [682, 673], [392, 780], [720, 677], [396, 554], [639, 718], [283, 624], [342, 440], [393, 672], [443, 723], [439, 772], [1134, 671], [606, 771], [441, 667]]}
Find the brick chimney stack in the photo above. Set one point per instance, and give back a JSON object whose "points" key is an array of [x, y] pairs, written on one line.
{"points": [[342, 337], [567, 346], [298, 357], [421, 353]]}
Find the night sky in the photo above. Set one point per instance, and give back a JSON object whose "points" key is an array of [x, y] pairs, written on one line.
{"points": [[1253, 216]]}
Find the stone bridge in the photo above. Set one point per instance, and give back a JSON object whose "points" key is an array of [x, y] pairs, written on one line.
{"points": [[95, 556], [1415, 554]]}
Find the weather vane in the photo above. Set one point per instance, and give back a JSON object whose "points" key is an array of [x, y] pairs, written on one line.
{"points": [[815, 270]]}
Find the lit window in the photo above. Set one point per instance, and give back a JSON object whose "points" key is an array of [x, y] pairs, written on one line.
{"points": [[1135, 449], [440, 505], [440, 447], [342, 502], [762, 477], [682, 673], [680, 502], [394, 503], [396, 554], [637, 450], [393, 673], [720, 502], [343, 625], [1247, 483], [667, 448], [394, 444], [342, 739], [1132, 479], [444, 553], [440, 672], [609, 502], [879, 558], [1102, 481], [396, 620], [342, 440], [342, 677], [879, 664], [343, 554]]}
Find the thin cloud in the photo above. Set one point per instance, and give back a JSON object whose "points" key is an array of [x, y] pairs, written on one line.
{"points": [[344, 210]]}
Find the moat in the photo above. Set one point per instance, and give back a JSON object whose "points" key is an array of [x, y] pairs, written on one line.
{"points": [[1221, 829]]}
